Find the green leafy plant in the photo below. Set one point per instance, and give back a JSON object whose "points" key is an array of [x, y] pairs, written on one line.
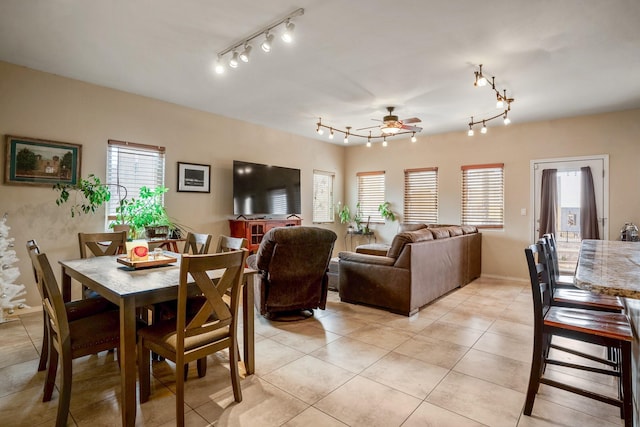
{"points": [[146, 210], [346, 218], [89, 195], [386, 212]]}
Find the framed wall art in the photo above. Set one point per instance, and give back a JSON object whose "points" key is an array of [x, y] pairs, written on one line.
{"points": [[40, 162], [194, 178]]}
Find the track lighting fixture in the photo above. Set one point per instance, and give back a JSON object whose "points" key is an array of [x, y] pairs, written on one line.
{"points": [[219, 67], [503, 102], [244, 56], [319, 130], [266, 44], [287, 36], [383, 136], [233, 62]]}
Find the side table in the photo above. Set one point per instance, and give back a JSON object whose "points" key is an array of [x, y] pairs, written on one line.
{"points": [[351, 234]]}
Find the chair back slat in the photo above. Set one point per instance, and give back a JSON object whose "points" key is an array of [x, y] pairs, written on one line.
{"points": [[102, 244], [215, 313], [53, 303], [197, 243]]}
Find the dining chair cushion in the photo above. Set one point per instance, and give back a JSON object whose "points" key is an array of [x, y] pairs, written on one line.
{"points": [[88, 307], [164, 333], [90, 332]]}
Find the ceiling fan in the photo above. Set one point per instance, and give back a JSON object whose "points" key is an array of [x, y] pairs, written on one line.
{"points": [[391, 124]]}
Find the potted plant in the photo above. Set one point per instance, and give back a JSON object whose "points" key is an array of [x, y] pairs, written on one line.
{"points": [[146, 213], [386, 212], [345, 217]]}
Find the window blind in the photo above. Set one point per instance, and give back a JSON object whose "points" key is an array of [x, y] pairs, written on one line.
{"points": [[370, 195], [421, 195], [323, 196], [483, 195], [132, 166]]}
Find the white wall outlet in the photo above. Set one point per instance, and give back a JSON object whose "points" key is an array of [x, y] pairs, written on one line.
{"points": [[523, 211]]}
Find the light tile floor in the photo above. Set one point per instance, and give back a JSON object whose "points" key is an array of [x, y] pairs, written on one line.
{"points": [[462, 361]]}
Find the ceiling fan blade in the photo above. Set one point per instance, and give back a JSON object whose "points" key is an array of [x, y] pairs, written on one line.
{"points": [[412, 128], [376, 120], [412, 120], [370, 127]]}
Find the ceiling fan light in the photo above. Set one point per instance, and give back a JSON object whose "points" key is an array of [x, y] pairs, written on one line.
{"points": [[233, 62], [267, 43], [244, 56], [287, 36], [389, 130]]}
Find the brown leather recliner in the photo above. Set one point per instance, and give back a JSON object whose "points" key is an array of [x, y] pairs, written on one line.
{"points": [[293, 264]]}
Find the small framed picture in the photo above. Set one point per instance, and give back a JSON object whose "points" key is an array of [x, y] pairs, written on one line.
{"points": [[194, 178], [40, 162]]}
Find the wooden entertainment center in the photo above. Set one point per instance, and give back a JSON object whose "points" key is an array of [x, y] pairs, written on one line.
{"points": [[254, 229]]}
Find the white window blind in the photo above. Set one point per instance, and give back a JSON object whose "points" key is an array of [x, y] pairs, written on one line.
{"points": [[323, 196], [483, 195], [370, 195], [132, 166], [421, 195], [278, 201]]}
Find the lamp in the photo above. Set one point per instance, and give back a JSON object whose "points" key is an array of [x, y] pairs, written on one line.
{"points": [[502, 101], [244, 56], [386, 130], [266, 45], [287, 36]]}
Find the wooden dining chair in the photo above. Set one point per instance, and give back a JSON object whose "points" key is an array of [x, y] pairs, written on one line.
{"points": [[570, 296], [70, 339], [197, 243], [562, 280], [100, 244], [226, 244], [212, 328], [610, 330], [74, 309]]}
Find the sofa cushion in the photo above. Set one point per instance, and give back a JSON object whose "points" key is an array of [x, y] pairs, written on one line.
{"points": [[455, 230], [406, 226], [380, 249], [402, 239], [440, 232], [469, 229]]}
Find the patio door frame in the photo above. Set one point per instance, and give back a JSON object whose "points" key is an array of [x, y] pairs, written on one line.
{"points": [[600, 182]]}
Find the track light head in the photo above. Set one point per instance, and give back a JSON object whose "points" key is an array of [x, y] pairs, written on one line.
{"points": [[233, 62], [484, 128], [507, 120], [219, 67], [413, 137], [331, 133], [480, 79], [268, 42], [244, 56], [287, 36]]}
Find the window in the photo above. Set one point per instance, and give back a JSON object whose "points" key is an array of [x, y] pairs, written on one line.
{"points": [[421, 195], [132, 166], [370, 195], [323, 196], [483, 195]]}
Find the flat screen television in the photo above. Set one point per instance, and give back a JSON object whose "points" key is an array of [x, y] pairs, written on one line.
{"points": [[260, 189]]}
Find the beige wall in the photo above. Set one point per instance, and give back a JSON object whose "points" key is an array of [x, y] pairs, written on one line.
{"points": [[615, 134], [46, 106], [41, 105]]}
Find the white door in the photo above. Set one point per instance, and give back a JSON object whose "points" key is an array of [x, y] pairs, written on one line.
{"points": [[599, 169]]}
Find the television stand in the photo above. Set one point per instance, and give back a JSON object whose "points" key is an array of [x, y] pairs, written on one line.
{"points": [[254, 229]]}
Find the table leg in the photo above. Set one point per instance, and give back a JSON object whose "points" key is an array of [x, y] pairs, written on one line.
{"points": [[174, 247], [128, 360], [66, 286], [247, 322]]}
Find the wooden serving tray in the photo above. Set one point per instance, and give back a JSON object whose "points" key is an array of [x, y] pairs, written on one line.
{"points": [[163, 260]]}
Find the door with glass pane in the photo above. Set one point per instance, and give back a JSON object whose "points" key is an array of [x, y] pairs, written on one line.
{"points": [[568, 211]]}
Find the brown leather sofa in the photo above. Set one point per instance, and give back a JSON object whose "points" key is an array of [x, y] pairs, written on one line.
{"points": [[420, 265], [293, 263]]}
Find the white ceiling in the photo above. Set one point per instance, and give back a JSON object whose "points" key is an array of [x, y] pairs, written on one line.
{"points": [[350, 59]]}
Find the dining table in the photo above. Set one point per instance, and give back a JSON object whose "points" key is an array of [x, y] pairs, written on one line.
{"points": [[133, 288], [613, 268]]}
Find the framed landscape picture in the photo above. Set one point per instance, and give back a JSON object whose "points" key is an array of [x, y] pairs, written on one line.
{"points": [[194, 178], [40, 162]]}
